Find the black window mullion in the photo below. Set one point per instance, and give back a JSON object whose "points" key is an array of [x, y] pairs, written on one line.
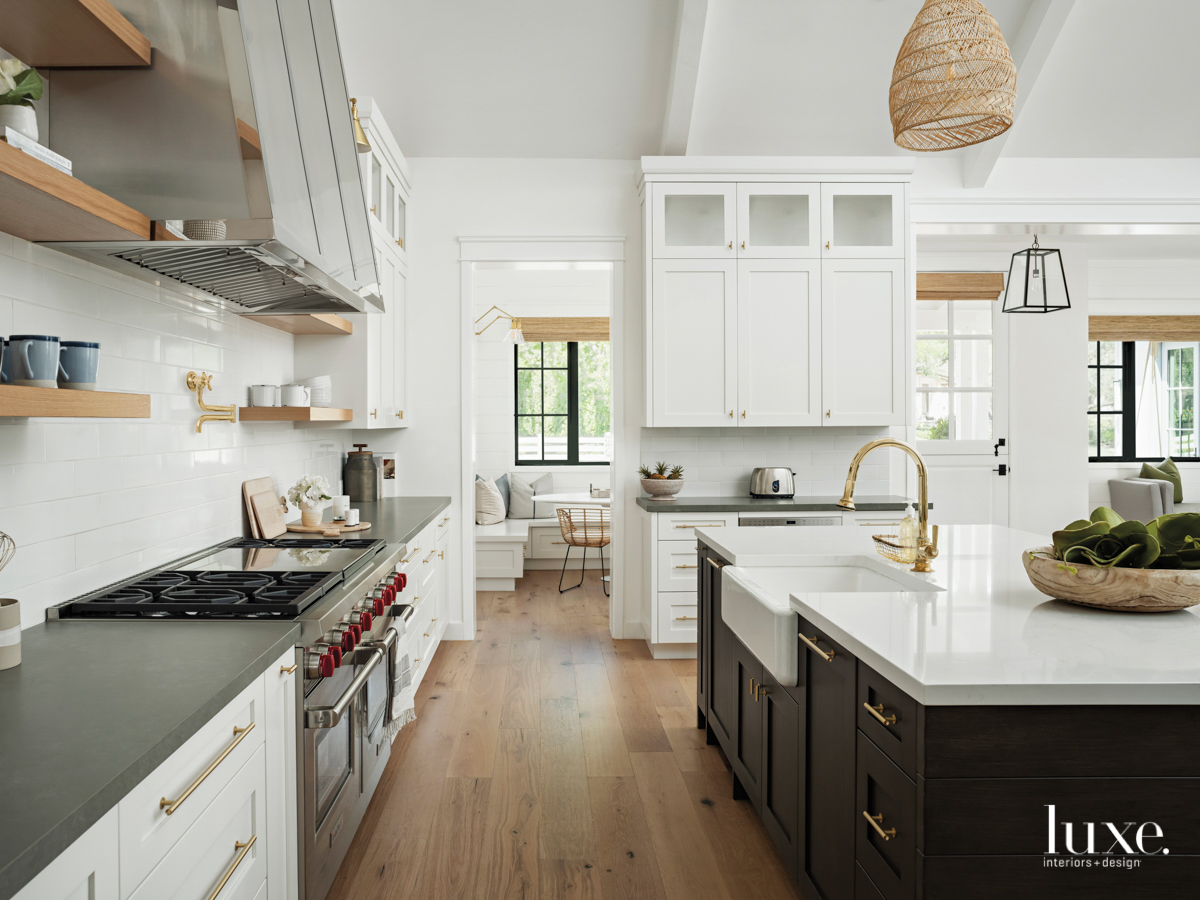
{"points": [[572, 403], [1128, 400]]}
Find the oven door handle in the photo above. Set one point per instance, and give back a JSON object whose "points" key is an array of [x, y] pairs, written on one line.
{"points": [[329, 716]]}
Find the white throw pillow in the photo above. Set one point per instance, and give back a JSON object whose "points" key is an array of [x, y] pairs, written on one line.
{"points": [[522, 493], [489, 505]]}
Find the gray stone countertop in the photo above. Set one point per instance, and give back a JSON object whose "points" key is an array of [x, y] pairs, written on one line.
{"points": [[95, 706], [396, 519], [686, 504]]}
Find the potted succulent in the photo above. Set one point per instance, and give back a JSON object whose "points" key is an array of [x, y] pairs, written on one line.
{"points": [[310, 493], [20, 85], [663, 482], [1110, 563]]}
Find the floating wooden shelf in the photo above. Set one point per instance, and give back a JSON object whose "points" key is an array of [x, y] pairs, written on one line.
{"points": [[40, 203], [311, 323], [46, 402], [248, 139], [293, 414], [71, 33]]}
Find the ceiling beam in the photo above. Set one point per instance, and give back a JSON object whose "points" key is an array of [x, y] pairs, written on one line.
{"points": [[1030, 49], [685, 68]]}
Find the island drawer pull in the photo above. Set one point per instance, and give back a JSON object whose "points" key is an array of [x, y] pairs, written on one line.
{"points": [[688, 567], [877, 824], [411, 558], [431, 555], [703, 525], [241, 850], [877, 712], [287, 670], [828, 657], [239, 735], [712, 562], [686, 618]]}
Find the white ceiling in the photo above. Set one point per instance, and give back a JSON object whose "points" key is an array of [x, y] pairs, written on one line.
{"points": [[548, 78]]}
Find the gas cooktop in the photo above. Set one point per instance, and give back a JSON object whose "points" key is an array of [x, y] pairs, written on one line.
{"points": [[239, 579]]}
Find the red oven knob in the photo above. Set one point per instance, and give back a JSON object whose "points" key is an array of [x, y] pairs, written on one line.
{"points": [[347, 637], [325, 665], [357, 634], [377, 606], [366, 620], [389, 596], [335, 653], [400, 581]]}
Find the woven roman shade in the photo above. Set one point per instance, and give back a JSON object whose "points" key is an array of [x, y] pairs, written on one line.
{"points": [[577, 328], [954, 83], [960, 285], [1144, 328]]}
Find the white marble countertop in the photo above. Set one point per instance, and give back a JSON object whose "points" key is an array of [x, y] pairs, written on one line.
{"points": [[989, 637]]}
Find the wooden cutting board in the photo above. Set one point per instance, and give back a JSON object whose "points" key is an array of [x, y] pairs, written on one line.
{"points": [[270, 514], [328, 528], [249, 489]]}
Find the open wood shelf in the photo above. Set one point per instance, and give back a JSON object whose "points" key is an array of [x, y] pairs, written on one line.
{"points": [[71, 33], [293, 414], [310, 323], [249, 141], [47, 402], [40, 203]]}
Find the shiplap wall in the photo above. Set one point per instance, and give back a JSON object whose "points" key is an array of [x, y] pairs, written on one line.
{"points": [[92, 501]]}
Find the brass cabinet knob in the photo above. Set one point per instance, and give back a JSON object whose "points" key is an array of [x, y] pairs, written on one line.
{"points": [[827, 245], [400, 414], [743, 414], [828, 413], [400, 243], [373, 412], [731, 245], [731, 414], [743, 245], [287, 670]]}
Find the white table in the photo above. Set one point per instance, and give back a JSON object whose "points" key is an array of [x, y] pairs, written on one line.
{"points": [[579, 499]]}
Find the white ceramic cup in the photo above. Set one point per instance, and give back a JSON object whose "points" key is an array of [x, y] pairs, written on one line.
{"points": [[10, 633], [352, 517], [341, 502], [264, 395], [295, 395]]}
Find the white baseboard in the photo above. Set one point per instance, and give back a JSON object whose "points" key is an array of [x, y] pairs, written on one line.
{"points": [[672, 651], [495, 584], [573, 563], [630, 631]]}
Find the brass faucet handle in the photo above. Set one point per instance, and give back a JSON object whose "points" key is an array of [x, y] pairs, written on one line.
{"points": [[929, 549]]}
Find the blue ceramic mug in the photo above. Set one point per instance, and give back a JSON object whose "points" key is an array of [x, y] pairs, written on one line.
{"points": [[34, 360], [78, 362]]}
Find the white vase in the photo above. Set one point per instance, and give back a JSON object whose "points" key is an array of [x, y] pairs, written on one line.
{"points": [[310, 514], [19, 118]]}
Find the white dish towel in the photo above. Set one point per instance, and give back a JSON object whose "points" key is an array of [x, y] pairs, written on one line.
{"points": [[404, 692]]}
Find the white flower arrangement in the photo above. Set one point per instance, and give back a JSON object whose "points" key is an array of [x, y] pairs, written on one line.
{"points": [[20, 84], [310, 490]]}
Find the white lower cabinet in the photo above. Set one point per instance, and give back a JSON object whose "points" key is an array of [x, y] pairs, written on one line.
{"points": [[87, 870], [231, 794]]}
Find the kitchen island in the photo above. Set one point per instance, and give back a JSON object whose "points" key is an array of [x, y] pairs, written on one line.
{"points": [[950, 734]]}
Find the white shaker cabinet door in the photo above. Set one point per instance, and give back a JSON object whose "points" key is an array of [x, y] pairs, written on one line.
{"points": [[387, 352], [694, 342], [86, 870], [862, 342], [281, 700], [862, 221], [694, 221], [398, 412], [779, 342], [778, 221]]}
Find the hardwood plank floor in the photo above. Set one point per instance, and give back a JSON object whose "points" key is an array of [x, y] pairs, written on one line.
{"points": [[551, 762]]}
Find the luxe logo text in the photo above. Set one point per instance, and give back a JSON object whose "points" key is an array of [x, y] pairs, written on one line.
{"points": [[1127, 838]]}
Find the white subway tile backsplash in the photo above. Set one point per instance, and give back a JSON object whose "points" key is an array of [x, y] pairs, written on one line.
{"points": [[89, 502]]}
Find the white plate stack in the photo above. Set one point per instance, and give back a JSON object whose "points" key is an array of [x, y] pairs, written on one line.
{"points": [[321, 388]]}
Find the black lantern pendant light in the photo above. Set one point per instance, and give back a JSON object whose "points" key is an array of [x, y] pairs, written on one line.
{"points": [[1037, 282]]}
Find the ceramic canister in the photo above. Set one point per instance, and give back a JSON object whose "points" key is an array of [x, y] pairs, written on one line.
{"points": [[34, 360], [264, 395], [10, 633]]}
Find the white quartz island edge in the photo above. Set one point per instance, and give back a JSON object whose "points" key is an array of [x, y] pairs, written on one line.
{"points": [[988, 638]]}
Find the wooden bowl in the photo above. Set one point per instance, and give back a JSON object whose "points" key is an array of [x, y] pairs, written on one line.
{"points": [[1127, 590]]}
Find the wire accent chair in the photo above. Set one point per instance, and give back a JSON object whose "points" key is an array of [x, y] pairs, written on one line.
{"points": [[584, 527]]}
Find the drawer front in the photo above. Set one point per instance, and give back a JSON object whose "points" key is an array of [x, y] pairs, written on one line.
{"points": [[889, 798], [548, 543], [682, 526], [875, 520], [677, 566], [493, 559], [441, 530], [1009, 816], [864, 888], [678, 617], [86, 870], [1029, 878], [147, 831], [888, 716], [208, 852], [427, 567]]}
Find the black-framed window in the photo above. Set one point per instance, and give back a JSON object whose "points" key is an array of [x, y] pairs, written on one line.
{"points": [[1142, 399], [563, 403]]}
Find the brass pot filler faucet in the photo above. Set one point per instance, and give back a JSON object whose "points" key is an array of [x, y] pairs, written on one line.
{"points": [[926, 549]]}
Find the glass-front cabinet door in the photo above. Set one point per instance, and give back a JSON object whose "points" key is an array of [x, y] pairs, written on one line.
{"points": [[862, 221], [778, 221], [694, 221]]}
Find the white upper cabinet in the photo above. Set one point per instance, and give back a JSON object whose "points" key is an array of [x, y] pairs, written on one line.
{"points": [[778, 221], [694, 342], [385, 176], [779, 342], [863, 341], [862, 221], [694, 221]]}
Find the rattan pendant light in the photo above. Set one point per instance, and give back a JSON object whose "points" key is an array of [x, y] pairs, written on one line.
{"points": [[954, 83]]}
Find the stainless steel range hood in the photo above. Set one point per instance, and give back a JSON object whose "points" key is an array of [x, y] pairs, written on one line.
{"points": [[178, 140]]}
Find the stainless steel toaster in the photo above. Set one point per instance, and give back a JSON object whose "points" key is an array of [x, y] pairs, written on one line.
{"points": [[772, 482]]}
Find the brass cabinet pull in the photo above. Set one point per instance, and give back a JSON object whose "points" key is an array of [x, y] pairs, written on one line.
{"points": [[287, 670], [685, 618], [431, 555], [731, 414], [828, 413], [743, 245], [373, 412], [703, 525], [712, 562], [241, 850], [759, 691], [877, 824], [445, 520], [743, 414], [441, 554], [687, 567], [239, 735], [754, 689], [400, 243], [827, 245], [877, 712], [563, 543], [828, 657], [373, 210], [731, 245], [400, 415], [411, 558]]}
